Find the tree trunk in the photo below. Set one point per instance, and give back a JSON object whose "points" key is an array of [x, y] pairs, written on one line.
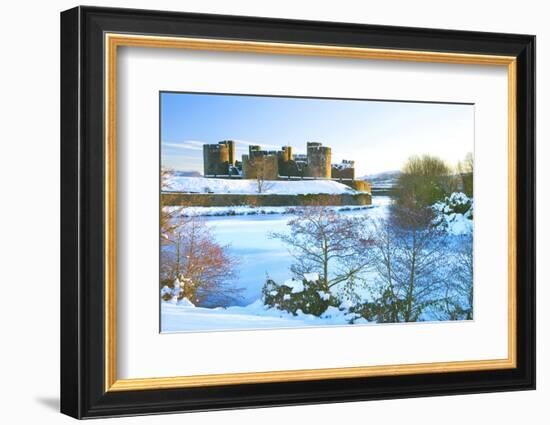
{"points": [[410, 290]]}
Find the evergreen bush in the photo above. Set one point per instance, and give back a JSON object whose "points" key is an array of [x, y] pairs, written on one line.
{"points": [[305, 295]]}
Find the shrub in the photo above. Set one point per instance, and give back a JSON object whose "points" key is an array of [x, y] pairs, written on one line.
{"points": [[458, 203], [385, 309], [306, 295], [455, 207], [172, 291]]}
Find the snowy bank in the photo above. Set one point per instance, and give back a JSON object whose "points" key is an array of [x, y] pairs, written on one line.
{"points": [[250, 187], [182, 318], [251, 210], [455, 214]]}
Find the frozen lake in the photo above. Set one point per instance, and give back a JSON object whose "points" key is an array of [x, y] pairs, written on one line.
{"points": [[260, 256]]}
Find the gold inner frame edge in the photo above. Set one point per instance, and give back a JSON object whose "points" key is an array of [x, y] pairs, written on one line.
{"points": [[112, 41]]}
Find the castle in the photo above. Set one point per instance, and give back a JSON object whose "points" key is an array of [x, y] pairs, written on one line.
{"points": [[219, 161]]}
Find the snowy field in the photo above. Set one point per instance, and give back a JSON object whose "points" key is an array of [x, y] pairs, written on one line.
{"points": [[250, 187], [184, 317]]}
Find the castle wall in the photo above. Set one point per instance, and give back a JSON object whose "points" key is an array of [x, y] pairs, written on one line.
{"points": [[264, 166], [287, 166], [342, 173], [263, 200], [291, 169], [360, 185]]}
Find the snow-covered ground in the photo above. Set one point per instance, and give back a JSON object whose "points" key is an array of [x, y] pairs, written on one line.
{"points": [[184, 317], [250, 187], [246, 233]]}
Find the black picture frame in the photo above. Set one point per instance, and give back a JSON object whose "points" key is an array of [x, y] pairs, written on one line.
{"points": [[83, 392]]}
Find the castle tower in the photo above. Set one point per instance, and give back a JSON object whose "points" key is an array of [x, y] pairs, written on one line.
{"points": [[286, 153], [284, 157], [231, 148], [319, 159], [215, 159]]}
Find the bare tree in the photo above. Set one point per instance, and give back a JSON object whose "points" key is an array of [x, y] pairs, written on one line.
{"points": [[333, 245], [465, 170], [468, 163], [388, 303], [261, 169], [262, 184], [458, 302], [411, 265]]}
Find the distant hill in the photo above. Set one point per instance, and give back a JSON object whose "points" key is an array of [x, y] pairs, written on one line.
{"points": [[382, 182]]}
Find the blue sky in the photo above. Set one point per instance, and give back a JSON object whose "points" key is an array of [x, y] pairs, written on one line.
{"points": [[378, 135]]}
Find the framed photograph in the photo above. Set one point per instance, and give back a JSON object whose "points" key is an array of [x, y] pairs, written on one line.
{"points": [[261, 212]]}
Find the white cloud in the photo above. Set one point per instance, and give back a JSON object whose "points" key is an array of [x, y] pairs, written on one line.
{"points": [[194, 145]]}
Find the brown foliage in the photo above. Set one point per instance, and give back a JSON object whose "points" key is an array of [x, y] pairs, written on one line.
{"points": [[423, 181], [203, 267]]}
